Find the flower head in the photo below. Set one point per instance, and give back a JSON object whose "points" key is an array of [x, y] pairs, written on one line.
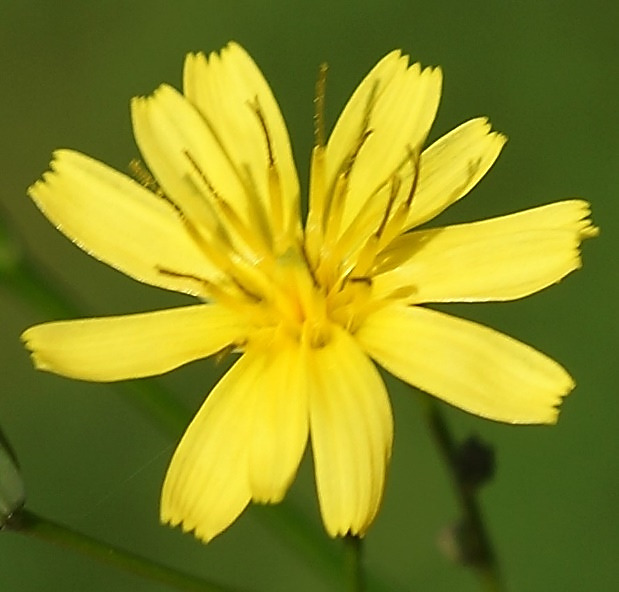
{"points": [[309, 306]]}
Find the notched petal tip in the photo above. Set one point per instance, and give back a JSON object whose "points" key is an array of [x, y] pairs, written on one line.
{"points": [[60, 156], [163, 92], [27, 338], [574, 215], [358, 531], [436, 72], [30, 342], [39, 362], [34, 190], [198, 533], [587, 228]]}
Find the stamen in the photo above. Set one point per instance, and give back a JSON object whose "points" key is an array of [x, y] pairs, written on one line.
{"points": [[144, 177], [277, 206], [274, 182], [347, 302], [319, 105], [397, 223], [250, 238], [256, 206], [263, 124], [247, 292], [395, 189], [361, 280], [367, 255], [370, 106], [177, 274], [216, 247], [334, 209], [215, 291], [213, 247], [327, 205], [253, 201], [350, 161], [314, 226], [225, 351], [335, 197], [308, 264], [203, 177], [415, 159], [363, 222]]}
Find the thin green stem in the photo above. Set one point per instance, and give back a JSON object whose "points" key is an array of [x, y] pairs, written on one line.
{"points": [[32, 525], [299, 533], [354, 563], [323, 554], [477, 547]]}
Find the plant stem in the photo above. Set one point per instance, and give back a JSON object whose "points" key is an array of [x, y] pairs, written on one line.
{"points": [[478, 551], [33, 525], [354, 549], [299, 533]]}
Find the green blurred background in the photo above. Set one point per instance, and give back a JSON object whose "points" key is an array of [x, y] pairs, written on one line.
{"points": [[546, 73]]}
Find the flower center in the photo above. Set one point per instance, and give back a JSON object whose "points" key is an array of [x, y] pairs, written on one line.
{"points": [[293, 282], [292, 304]]}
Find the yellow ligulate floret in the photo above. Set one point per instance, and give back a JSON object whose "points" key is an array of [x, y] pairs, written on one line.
{"points": [[307, 306]]}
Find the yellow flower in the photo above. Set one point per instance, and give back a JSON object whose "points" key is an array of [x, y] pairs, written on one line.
{"points": [[308, 308]]}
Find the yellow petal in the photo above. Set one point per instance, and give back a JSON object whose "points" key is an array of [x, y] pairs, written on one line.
{"points": [[452, 166], [246, 441], [401, 102], [120, 222], [468, 365], [207, 483], [232, 95], [132, 346], [351, 431], [497, 259], [280, 427], [185, 158]]}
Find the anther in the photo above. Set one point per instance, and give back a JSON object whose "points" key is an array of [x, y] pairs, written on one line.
{"points": [[143, 176]]}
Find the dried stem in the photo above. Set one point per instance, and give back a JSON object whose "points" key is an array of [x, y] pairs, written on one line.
{"points": [[475, 547]]}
